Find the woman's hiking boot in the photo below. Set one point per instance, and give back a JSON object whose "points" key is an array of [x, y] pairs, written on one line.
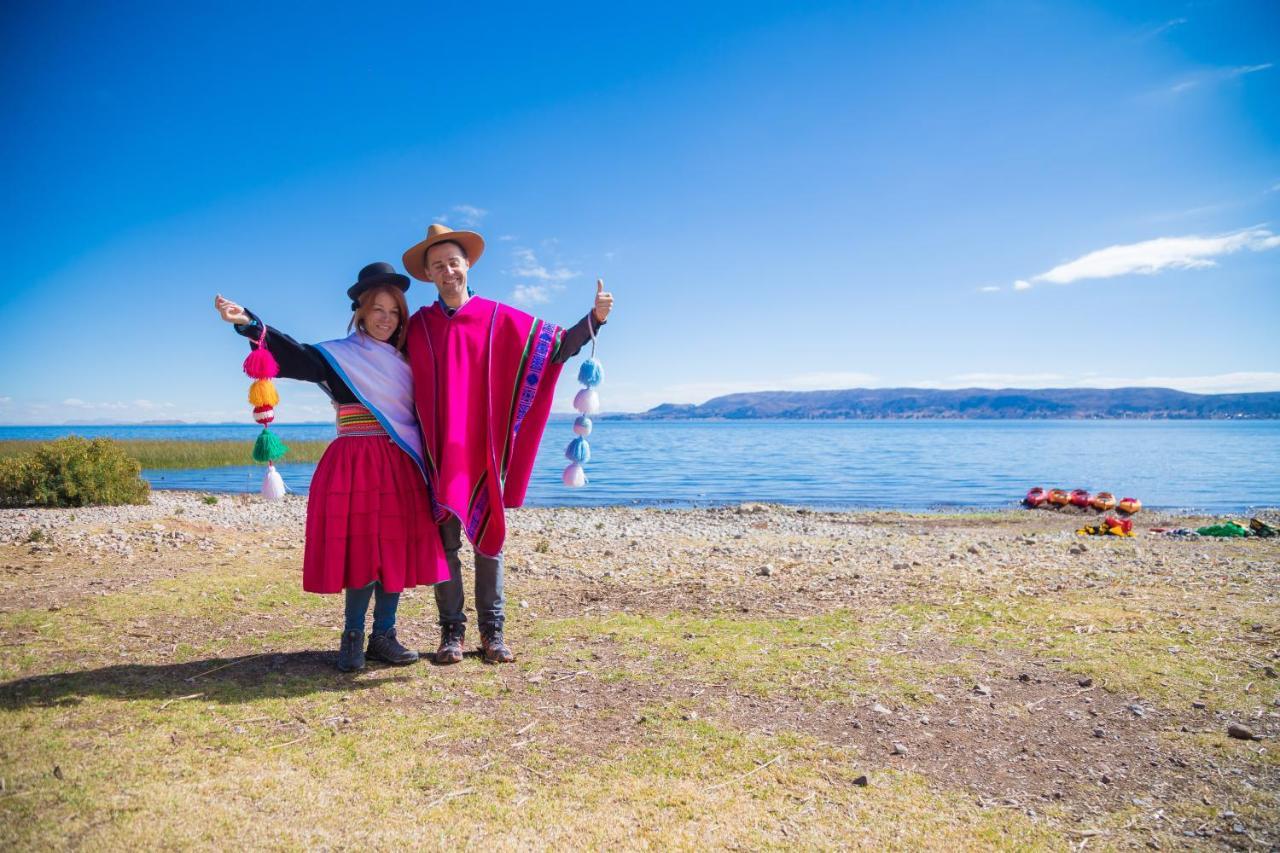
{"points": [[451, 634], [351, 652], [386, 648], [495, 649]]}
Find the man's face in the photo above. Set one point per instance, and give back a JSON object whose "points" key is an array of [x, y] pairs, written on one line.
{"points": [[447, 270]]}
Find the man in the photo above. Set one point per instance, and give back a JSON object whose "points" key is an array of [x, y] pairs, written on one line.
{"points": [[484, 375]]}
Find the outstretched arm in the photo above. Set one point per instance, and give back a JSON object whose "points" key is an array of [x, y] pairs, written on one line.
{"points": [[297, 361]]}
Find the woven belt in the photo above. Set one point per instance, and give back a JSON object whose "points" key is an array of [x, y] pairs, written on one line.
{"points": [[357, 420]]}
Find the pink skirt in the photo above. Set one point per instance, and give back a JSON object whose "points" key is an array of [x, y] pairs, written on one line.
{"points": [[369, 519]]}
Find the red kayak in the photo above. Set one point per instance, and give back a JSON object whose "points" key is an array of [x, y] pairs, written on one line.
{"points": [[1036, 497], [1080, 498], [1059, 497]]}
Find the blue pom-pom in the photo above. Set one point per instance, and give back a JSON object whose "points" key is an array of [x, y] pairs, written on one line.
{"points": [[591, 373], [578, 451]]}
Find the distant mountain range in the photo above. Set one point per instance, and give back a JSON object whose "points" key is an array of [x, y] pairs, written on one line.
{"points": [[973, 403]]}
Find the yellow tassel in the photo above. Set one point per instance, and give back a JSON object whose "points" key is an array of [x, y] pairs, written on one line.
{"points": [[263, 393]]}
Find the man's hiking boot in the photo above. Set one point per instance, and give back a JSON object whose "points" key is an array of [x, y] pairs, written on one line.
{"points": [[386, 648], [351, 652], [451, 634], [495, 649]]}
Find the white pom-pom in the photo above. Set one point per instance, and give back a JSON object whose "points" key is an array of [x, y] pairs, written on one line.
{"points": [[272, 484], [587, 401], [582, 426], [574, 477]]}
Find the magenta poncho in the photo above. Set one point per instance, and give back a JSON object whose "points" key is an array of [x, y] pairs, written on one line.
{"points": [[483, 381]]}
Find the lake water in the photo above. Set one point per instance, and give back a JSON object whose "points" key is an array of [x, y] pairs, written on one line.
{"points": [[1216, 466]]}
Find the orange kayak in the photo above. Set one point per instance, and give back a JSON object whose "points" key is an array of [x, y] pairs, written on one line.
{"points": [[1059, 497], [1129, 505], [1103, 502]]}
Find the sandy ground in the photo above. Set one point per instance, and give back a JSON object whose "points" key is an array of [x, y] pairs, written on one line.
{"points": [[1084, 685]]}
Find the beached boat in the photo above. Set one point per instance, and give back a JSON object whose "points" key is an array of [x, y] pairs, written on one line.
{"points": [[1129, 505], [1103, 502], [1059, 497], [1036, 497], [1080, 498]]}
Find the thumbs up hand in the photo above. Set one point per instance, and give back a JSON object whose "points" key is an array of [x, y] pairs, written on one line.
{"points": [[604, 302]]}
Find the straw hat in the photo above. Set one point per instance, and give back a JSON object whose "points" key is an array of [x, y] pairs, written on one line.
{"points": [[415, 260]]}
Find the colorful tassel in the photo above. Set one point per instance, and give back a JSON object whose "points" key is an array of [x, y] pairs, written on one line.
{"points": [[574, 476], [261, 364], [590, 373], [264, 414], [273, 484], [268, 447], [578, 451], [263, 393], [582, 426], [586, 401]]}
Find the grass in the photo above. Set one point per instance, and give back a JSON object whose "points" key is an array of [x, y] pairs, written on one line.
{"points": [[203, 711], [156, 454], [834, 656]]}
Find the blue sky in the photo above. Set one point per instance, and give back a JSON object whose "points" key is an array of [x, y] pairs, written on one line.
{"points": [[802, 196]]}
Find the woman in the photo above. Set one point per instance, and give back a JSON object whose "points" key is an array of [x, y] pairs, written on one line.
{"points": [[369, 529]]}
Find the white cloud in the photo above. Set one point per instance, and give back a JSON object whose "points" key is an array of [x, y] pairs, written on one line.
{"points": [[990, 288], [469, 215], [1157, 29], [533, 294], [528, 266], [1220, 75], [1152, 256]]}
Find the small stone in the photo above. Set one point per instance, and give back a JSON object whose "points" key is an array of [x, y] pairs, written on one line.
{"points": [[690, 716], [57, 772], [1199, 706], [861, 781], [766, 570], [1099, 733], [901, 566], [1085, 682], [1106, 780], [982, 689], [898, 749], [1240, 732], [1138, 710], [880, 709], [524, 603], [1269, 671], [1024, 678], [1237, 828], [974, 549]]}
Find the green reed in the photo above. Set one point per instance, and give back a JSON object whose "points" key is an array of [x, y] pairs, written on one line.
{"points": [[163, 453]]}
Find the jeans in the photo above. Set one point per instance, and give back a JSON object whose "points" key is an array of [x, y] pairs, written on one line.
{"points": [[384, 608], [490, 602]]}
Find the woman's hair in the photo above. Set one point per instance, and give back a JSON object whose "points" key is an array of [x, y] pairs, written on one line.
{"points": [[366, 305]]}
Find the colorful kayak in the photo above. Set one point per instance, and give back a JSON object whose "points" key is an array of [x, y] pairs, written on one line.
{"points": [[1059, 497], [1036, 497], [1129, 505], [1103, 502], [1080, 498]]}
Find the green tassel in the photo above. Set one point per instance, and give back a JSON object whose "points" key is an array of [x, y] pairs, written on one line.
{"points": [[268, 448]]}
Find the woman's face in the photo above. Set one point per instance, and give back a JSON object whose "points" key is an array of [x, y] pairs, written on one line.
{"points": [[383, 318]]}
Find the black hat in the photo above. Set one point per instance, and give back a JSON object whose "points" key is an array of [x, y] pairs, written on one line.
{"points": [[376, 273]]}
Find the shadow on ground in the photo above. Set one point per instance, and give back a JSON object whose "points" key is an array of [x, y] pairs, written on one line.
{"points": [[228, 680]]}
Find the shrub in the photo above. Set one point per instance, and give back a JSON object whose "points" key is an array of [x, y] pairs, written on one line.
{"points": [[72, 471]]}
